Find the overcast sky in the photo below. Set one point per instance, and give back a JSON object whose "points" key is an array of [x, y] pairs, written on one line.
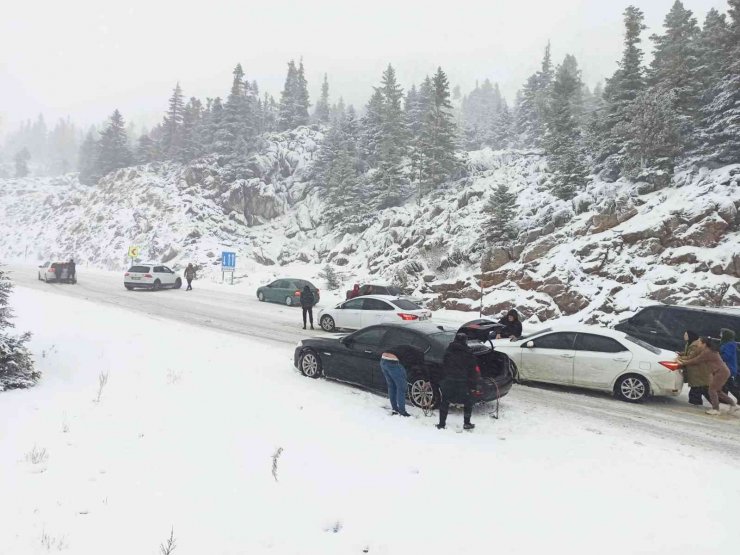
{"points": [[83, 58]]}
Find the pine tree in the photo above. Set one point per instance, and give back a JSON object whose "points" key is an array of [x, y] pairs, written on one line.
{"points": [[113, 151], [16, 364], [676, 65], [527, 121], [172, 132], [22, 158], [563, 138], [439, 141], [721, 112], [87, 163], [302, 103], [287, 114], [191, 121], [499, 226], [372, 129], [322, 112], [389, 179], [145, 151]]}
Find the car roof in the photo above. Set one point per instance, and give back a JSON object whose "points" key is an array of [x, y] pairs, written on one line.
{"points": [[731, 310], [580, 328], [381, 297]]}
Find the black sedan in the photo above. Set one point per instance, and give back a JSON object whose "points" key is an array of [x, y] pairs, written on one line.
{"points": [[355, 359]]}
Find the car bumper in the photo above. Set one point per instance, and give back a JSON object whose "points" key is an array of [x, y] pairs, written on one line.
{"points": [[494, 388], [138, 284], [670, 384]]}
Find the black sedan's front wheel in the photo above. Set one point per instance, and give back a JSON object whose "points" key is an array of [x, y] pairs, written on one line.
{"points": [[310, 364], [422, 393]]}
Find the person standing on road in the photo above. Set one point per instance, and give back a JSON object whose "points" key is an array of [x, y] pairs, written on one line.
{"points": [[709, 355], [512, 326], [190, 276], [728, 352], [394, 364], [460, 381], [696, 375], [71, 270], [307, 302]]}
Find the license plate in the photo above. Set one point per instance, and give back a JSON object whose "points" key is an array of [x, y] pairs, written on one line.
{"points": [[135, 277]]}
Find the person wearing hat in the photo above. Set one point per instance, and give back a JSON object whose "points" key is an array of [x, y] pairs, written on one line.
{"points": [[696, 375], [728, 352], [459, 382]]}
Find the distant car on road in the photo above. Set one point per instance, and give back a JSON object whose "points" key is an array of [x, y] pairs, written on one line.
{"points": [[49, 272], [355, 359], [361, 312], [663, 325], [151, 276], [595, 358], [286, 291]]}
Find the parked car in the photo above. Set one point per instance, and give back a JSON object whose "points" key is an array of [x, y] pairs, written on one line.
{"points": [[286, 291], [663, 325], [389, 290], [355, 359], [48, 272], [595, 358], [151, 276], [361, 312]]}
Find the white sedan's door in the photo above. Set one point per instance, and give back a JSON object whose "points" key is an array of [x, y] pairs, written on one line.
{"points": [[376, 311], [550, 359], [599, 360], [349, 314]]}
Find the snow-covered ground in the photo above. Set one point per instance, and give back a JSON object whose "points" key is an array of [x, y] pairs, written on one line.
{"points": [[184, 434]]}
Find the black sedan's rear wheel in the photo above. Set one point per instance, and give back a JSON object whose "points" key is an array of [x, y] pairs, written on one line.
{"points": [[310, 364], [327, 323], [422, 393]]}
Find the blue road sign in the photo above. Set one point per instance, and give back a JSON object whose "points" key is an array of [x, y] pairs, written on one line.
{"points": [[228, 260]]}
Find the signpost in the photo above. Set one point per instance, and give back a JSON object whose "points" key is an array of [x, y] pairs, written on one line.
{"points": [[228, 264], [133, 253]]}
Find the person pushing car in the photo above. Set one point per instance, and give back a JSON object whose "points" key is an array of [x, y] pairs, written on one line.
{"points": [[460, 382]]}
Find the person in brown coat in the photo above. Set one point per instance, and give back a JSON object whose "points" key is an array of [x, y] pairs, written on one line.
{"points": [[708, 354], [696, 375]]}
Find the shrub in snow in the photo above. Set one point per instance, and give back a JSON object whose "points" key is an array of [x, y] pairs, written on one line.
{"points": [[329, 275], [16, 365]]}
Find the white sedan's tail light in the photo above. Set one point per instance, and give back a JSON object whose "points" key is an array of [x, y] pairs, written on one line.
{"points": [[671, 365], [408, 317]]}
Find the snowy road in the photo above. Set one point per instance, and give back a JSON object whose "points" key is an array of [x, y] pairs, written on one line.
{"points": [[238, 311]]}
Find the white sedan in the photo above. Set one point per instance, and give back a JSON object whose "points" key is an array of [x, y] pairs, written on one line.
{"points": [[366, 311], [595, 358]]}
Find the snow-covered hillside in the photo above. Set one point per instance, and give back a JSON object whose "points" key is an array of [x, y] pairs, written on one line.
{"points": [[616, 246]]}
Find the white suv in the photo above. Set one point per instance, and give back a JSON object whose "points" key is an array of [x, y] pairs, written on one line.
{"points": [[151, 276]]}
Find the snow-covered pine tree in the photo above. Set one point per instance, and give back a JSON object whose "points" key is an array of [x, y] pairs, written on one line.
{"points": [[545, 77], [372, 129], [721, 112], [562, 142], [144, 152], [172, 125], [302, 103], [480, 109], [191, 120], [113, 149], [22, 157], [322, 112], [389, 179], [16, 364], [502, 129], [288, 108], [87, 160], [439, 136], [527, 124], [499, 226], [675, 66], [237, 126]]}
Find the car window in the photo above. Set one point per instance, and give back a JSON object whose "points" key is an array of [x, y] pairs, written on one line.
{"points": [[642, 344], [396, 336], [403, 304], [368, 290], [372, 336], [139, 269], [166, 269], [158, 270], [598, 343], [675, 322], [279, 284], [646, 317], [376, 304], [354, 304], [561, 340]]}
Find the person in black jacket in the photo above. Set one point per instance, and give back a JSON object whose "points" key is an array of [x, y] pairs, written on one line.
{"points": [[71, 270], [460, 380], [512, 326], [307, 302]]}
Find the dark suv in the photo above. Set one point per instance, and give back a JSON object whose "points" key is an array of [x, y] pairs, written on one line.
{"points": [[663, 325]]}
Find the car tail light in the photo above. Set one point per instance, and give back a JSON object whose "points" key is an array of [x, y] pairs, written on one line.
{"points": [[148, 275], [317, 291], [297, 294], [477, 369], [671, 365], [126, 274], [408, 316]]}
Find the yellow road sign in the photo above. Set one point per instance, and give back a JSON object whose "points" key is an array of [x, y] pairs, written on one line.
{"points": [[133, 252]]}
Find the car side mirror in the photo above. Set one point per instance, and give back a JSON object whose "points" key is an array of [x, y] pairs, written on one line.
{"points": [[529, 344]]}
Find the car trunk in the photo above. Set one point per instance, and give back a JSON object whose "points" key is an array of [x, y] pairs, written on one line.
{"points": [[492, 363]]}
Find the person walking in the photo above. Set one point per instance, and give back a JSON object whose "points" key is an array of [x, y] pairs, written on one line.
{"points": [[728, 352], [307, 302], [709, 355], [190, 276], [512, 326], [395, 364], [696, 375], [71, 270], [460, 381]]}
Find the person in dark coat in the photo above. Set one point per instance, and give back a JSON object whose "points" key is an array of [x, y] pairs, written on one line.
{"points": [[190, 276], [71, 270], [697, 376], [460, 381], [512, 326], [58, 271], [728, 352], [395, 364], [307, 302]]}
